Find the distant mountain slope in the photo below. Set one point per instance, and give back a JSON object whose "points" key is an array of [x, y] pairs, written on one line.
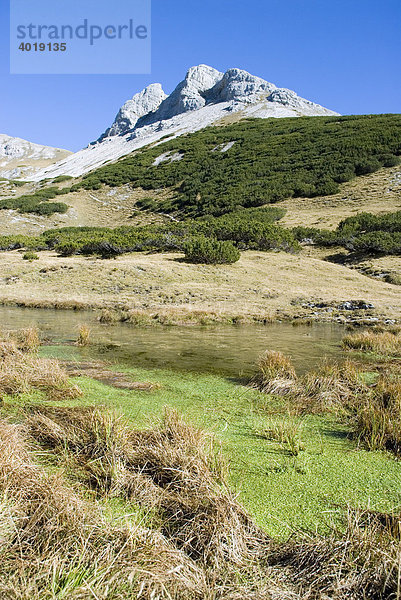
{"points": [[206, 96], [21, 159], [254, 162]]}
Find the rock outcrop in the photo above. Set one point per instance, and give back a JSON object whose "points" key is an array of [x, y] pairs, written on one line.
{"points": [[144, 103]]}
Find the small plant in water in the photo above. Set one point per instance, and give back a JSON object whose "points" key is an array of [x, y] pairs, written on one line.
{"points": [[83, 335]]}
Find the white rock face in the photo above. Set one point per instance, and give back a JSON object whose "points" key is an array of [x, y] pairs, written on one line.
{"points": [[19, 158], [237, 85], [191, 93], [204, 97], [141, 104]]}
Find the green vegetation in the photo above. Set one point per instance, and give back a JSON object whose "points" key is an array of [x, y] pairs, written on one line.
{"points": [[30, 256], [365, 233], [62, 178], [283, 492], [208, 251], [247, 229], [143, 509], [271, 160], [371, 406], [38, 202]]}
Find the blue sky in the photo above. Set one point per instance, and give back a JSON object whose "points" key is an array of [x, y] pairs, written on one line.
{"points": [[343, 54]]}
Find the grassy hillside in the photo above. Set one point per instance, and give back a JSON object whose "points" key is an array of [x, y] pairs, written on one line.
{"points": [[269, 161], [221, 169]]}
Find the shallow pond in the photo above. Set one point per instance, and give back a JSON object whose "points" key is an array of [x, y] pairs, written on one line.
{"points": [[226, 350]]}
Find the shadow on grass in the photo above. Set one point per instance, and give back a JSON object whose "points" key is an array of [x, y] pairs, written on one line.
{"points": [[339, 434]]}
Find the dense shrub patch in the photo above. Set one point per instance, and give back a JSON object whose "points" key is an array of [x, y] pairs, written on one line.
{"points": [[246, 229], [38, 202], [271, 160], [209, 251], [365, 233]]}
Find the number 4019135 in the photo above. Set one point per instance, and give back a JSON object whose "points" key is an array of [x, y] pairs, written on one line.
{"points": [[42, 47]]}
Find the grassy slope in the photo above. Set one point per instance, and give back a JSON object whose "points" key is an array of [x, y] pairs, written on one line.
{"points": [[376, 193], [260, 283], [267, 282], [282, 492], [271, 160], [268, 156]]}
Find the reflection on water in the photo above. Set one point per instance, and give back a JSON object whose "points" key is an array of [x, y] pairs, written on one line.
{"points": [[228, 350]]}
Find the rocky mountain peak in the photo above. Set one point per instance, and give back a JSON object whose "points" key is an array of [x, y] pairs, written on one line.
{"points": [[205, 97], [141, 104], [239, 85], [191, 93], [20, 158]]}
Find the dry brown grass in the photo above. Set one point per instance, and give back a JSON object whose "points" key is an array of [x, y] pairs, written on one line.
{"points": [[276, 374], [55, 545], [371, 409], [327, 388], [21, 373], [23, 340], [84, 333], [376, 415], [21, 370], [330, 387], [364, 563], [385, 342], [147, 289], [172, 468]]}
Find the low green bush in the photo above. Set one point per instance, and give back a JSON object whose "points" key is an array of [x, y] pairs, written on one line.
{"points": [[377, 242], [211, 252], [365, 233], [30, 256], [62, 178], [38, 202]]}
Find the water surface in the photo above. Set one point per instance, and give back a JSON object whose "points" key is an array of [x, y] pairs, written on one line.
{"points": [[226, 350]]}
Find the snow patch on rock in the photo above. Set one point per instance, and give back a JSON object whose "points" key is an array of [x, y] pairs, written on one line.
{"points": [[223, 147], [167, 157]]}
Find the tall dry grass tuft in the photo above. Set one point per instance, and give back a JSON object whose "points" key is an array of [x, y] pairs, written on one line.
{"points": [[276, 374], [385, 342], [363, 563], [27, 340], [372, 410], [376, 416], [329, 388], [326, 388], [20, 373], [23, 340], [21, 370], [83, 335], [56, 545], [172, 468]]}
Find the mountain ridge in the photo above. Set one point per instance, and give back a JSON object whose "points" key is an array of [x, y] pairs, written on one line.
{"points": [[20, 158], [205, 97]]}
